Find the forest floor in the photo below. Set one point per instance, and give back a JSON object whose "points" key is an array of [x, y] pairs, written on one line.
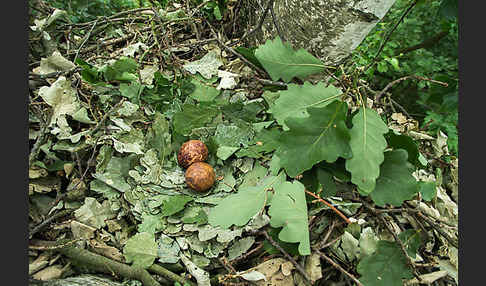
{"points": [[111, 102]]}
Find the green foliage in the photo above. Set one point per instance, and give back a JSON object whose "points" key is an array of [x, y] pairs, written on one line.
{"points": [[289, 211], [141, 250], [321, 136], [248, 202], [309, 95], [174, 204], [411, 241], [436, 60], [191, 117], [86, 10], [281, 61], [387, 266], [400, 141], [212, 10], [428, 190], [396, 183], [367, 144]]}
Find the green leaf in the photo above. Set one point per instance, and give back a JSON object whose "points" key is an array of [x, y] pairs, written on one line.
{"points": [[191, 117], [141, 250], [396, 183], [289, 211], [239, 208], [132, 91], [400, 141], [151, 223], [234, 135], [290, 248], [387, 266], [411, 240], [321, 136], [294, 101], [367, 144], [203, 90], [121, 70], [89, 72], [428, 190], [174, 204], [264, 142], [281, 61], [159, 137], [249, 54]]}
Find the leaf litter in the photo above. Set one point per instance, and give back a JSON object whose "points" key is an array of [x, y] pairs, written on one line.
{"points": [[120, 125]]}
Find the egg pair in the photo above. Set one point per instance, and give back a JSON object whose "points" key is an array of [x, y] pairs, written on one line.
{"points": [[199, 175]]}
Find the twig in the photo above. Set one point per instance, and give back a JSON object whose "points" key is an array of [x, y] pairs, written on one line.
{"points": [[390, 33], [258, 27], [399, 106], [290, 258], [275, 22], [85, 40], [338, 267], [36, 148], [48, 220], [438, 229], [329, 205], [331, 242], [158, 269], [247, 254], [395, 236], [389, 85], [106, 265], [328, 233], [259, 70]]}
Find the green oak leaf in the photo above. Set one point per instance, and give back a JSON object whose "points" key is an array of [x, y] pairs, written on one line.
{"points": [[411, 240], [174, 204], [141, 250], [428, 190], [191, 117], [239, 208], [387, 266], [151, 223], [400, 141], [158, 136], [294, 101], [321, 136], [367, 144], [264, 141], [396, 183], [281, 61], [289, 211], [203, 90]]}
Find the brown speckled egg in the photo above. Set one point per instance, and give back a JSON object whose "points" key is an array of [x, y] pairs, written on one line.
{"points": [[191, 152], [200, 176]]}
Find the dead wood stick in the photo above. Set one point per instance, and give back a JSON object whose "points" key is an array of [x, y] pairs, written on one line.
{"points": [[338, 267], [290, 258]]}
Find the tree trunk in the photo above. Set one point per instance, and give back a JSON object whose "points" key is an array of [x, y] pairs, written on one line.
{"points": [[329, 29]]}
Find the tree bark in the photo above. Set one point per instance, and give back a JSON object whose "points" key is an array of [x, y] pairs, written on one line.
{"points": [[328, 29]]}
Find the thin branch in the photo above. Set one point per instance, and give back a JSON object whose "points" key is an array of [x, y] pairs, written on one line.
{"points": [[277, 26], [47, 221], [390, 33], [290, 258], [338, 267], [259, 70], [85, 40], [258, 27], [329, 205], [389, 85]]}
